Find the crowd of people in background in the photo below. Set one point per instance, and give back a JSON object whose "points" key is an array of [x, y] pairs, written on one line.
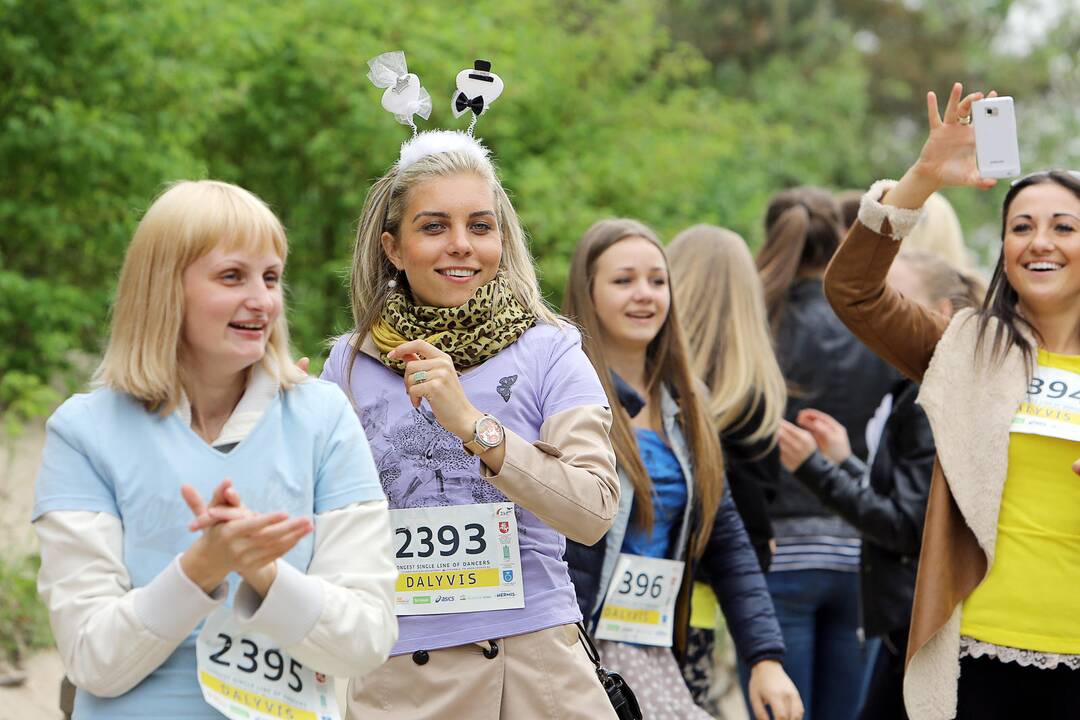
{"points": [[846, 458]]}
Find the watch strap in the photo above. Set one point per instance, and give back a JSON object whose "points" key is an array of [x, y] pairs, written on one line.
{"points": [[475, 447]]}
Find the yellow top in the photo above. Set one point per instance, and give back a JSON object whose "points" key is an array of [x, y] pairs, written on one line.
{"points": [[704, 608], [1029, 599]]}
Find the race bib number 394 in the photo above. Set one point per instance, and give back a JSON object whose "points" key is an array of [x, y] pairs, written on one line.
{"points": [[640, 603], [461, 558], [249, 677], [1052, 407]]}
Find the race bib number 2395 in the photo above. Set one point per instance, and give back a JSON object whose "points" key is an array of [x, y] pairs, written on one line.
{"points": [[249, 677]]}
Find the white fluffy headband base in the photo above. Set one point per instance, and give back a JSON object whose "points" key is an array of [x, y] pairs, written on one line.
{"points": [[431, 142]]}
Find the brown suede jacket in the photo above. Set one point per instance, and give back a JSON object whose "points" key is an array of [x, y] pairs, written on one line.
{"points": [[970, 399]]}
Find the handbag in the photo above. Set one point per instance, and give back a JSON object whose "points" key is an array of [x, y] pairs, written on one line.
{"points": [[618, 691]]}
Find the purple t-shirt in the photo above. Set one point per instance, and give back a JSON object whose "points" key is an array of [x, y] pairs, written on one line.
{"points": [[420, 465]]}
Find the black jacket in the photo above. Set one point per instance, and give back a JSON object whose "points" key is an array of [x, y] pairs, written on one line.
{"points": [[728, 560], [888, 512], [827, 368], [752, 471]]}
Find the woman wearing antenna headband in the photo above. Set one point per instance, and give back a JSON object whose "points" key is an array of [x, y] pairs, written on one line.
{"points": [[995, 631], [489, 428]]}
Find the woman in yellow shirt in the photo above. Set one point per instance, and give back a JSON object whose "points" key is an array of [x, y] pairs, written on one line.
{"points": [[996, 624]]}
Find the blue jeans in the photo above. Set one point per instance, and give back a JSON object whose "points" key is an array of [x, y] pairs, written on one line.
{"points": [[818, 611]]}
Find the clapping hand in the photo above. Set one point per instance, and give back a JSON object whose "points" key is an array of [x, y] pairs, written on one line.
{"points": [[236, 539]]}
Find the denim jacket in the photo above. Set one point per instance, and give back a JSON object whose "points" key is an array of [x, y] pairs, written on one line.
{"points": [[729, 558]]}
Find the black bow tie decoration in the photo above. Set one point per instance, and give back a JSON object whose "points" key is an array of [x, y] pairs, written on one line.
{"points": [[477, 88], [462, 103]]}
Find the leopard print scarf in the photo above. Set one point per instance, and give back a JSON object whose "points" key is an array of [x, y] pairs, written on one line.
{"points": [[469, 334]]}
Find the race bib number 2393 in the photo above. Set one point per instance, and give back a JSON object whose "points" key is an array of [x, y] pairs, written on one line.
{"points": [[460, 558]]}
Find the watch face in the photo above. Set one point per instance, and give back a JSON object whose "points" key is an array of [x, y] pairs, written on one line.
{"points": [[489, 431]]}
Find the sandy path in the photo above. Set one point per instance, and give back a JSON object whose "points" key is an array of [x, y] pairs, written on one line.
{"points": [[18, 467], [39, 696]]}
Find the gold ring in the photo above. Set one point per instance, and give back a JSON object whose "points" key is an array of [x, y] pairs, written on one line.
{"points": [[419, 377], [966, 120]]}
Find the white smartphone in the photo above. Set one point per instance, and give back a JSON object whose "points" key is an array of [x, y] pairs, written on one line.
{"points": [[996, 148]]}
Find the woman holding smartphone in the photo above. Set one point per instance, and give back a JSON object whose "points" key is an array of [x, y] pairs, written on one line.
{"points": [[994, 631], [201, 424]]}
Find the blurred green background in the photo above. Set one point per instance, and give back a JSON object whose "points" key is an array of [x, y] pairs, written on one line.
{"points": [[673, 112]]}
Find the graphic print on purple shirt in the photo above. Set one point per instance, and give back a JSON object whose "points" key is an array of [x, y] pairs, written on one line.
{"points": [[422, 465]]}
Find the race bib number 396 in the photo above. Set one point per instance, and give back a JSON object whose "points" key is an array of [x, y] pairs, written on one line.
{"points": [[249, 677], [640, 603], [461, 558]]}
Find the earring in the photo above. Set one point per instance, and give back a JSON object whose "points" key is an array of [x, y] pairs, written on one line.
{"points": [[392, 283]]}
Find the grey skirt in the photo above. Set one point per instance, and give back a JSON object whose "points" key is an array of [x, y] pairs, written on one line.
{"points": [[654, 676]]}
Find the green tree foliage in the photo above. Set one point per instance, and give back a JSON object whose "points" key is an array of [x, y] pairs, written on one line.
{"points": [[24, 621], [673, 112]]}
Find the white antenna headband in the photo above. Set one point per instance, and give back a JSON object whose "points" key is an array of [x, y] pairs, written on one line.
{"points": [[477, 88]]}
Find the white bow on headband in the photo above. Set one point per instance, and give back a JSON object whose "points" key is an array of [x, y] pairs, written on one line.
{"points": [[404, 95]]}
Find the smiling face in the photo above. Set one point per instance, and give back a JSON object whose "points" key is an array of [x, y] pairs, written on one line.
{"points": [[231, 300], [631, 293], [449, 242], [1042, 248]]}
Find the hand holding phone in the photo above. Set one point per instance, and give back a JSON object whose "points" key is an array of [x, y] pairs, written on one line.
{"points": [[996, 148]]}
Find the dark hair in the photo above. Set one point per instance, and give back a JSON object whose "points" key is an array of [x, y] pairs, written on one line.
{"points": [[849, 201], [802, 231], [1001, 297]]}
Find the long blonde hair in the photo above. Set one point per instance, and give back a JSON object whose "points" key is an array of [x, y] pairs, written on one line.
{"points": [[384, 207], [939, 232], [667, 363], [723, 313], [186, 221]]}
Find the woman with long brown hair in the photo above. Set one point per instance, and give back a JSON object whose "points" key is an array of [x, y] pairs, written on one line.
{"points": [[814, 576], [885, 499], [675, 511]]}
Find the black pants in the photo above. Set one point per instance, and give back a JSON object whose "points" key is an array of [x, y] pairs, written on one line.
{"points": [[885, 695], [992, 690]]}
